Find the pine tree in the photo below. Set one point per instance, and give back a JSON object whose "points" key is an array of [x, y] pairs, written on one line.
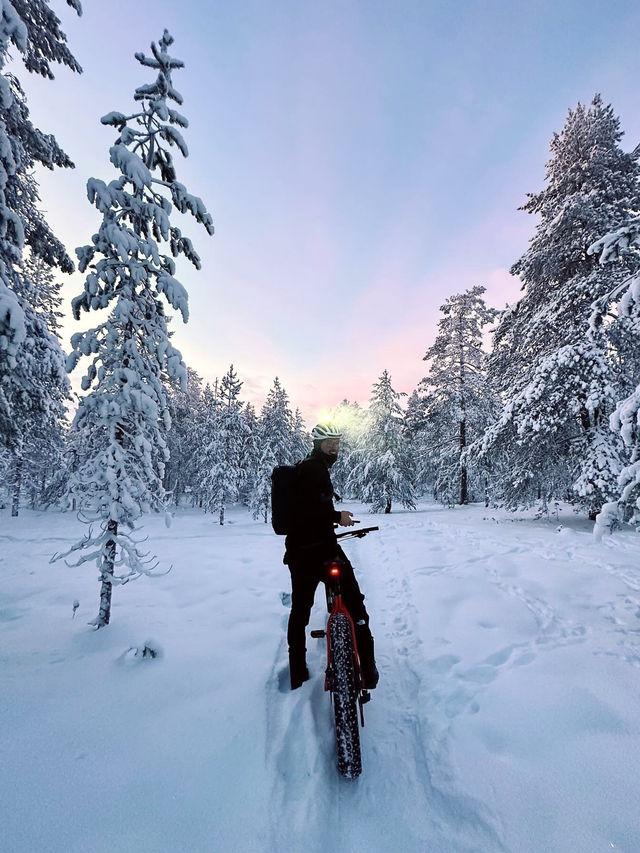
{"points": [[415, 430], [260, 498], [32, 375], [351, 420], [277, 446], [617, 315], [206, 421], [382, 471], [124, 420], [278, 424], [300, 438], [459, 402], [184, 438], [556, 380], [250, 454], [223, 475]]}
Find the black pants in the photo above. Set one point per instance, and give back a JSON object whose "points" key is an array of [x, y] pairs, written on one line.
{"points": [[307, 571]]}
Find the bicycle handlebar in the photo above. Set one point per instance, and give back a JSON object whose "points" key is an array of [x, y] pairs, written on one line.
{"points": [[356, 534]]}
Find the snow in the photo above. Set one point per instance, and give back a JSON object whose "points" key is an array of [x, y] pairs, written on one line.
{"points": [[505, 719], [12, 319], [131, 165]]}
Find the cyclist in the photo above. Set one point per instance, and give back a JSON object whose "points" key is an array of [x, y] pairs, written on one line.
{"points": [[310, 545]]}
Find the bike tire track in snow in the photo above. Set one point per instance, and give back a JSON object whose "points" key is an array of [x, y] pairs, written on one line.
{"points": [[445, 818], [411, 779]]}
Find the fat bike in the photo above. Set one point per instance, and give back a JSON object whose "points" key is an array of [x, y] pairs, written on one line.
{"points": [[343, 678]]}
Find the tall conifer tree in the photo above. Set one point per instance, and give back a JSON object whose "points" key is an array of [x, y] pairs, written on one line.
{"points": [[382, 475], [276, 446], [33, 384], [223, 472], [557, 381], [459, 403], [124, 420], [617, 315]]}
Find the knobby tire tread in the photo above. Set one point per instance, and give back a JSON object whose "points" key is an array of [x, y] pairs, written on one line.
{"points": [[345, 697]]}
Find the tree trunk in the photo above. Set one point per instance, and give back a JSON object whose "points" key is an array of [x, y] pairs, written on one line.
{"points": [[17, 484], [464, 495], [387, 508], [222, 513], [486, 491], [108, 565]]}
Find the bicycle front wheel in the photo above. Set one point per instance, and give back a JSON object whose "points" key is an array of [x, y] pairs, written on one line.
{"points": [[345, 696]]}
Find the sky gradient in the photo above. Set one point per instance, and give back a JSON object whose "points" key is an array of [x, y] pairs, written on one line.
{"points": [[362, 161]]}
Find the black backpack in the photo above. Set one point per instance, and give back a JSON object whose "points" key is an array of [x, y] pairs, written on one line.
{"points": [[282, 484]]}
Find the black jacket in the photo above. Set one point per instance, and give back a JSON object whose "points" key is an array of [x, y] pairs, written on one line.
{"points": [[313, 515]]}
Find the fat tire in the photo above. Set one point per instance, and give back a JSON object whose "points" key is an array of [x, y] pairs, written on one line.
{"points": [[345, 696]]}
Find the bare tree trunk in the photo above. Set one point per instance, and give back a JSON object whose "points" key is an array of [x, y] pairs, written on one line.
{"points": [[486, 491], [464, 495], [108, 566], [387, 508], [17, 485]]}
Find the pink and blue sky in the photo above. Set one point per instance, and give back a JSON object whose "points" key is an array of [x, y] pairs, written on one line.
{"points": [[362, 162]]}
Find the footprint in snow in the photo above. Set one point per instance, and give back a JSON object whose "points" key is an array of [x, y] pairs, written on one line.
{"points": [[500, 657], [443, 663], [285, 598], [284, 684], [524, 659], [481, 674]]}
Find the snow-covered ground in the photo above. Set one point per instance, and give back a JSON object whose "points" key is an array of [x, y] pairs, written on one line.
{"points": [[506, 718]]}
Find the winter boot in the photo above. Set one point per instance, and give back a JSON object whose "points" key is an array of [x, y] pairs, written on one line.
{"points": [[298, 672], [370, 674]]}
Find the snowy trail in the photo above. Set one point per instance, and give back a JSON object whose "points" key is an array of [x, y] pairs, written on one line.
{"points": [[442, 818], [505, 720]]}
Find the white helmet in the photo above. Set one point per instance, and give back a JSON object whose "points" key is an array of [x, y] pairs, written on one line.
{"points": [[325, 430]]}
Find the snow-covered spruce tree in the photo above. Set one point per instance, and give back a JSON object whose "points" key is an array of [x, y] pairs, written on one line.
{"points": [[249, 455], [351, 420], [276, 446], [183, 438], [260, 497], [123, 421], [33, 383], [44, 438], [617, 315], [278, 425], [459, 403], [382, 471], [556, 380], [300, 438], [416, 432], [206, 422], [223, 474]]}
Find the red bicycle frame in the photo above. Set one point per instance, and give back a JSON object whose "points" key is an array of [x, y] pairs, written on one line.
{"points": [[338, 606]]}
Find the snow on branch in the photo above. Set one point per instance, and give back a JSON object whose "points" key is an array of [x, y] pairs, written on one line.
{"points": [[130, 165]]}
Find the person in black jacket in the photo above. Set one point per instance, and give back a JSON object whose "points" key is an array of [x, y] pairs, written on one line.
{"points": [[310, 544]]}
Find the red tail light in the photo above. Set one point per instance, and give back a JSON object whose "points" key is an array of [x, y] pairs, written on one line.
{"points": [[334, 571]]}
